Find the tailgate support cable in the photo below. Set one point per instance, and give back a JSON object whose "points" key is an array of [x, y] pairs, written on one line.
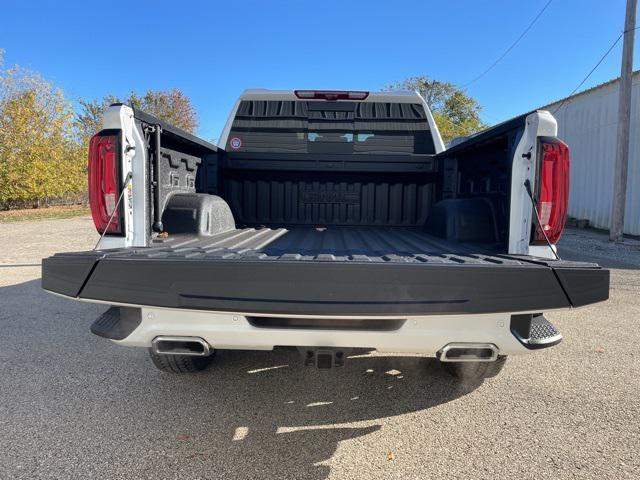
{"points": [[527, 186], [115, 209]]}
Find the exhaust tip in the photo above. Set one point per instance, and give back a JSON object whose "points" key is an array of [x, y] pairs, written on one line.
{"points": [[194, 346], [469, 352]]}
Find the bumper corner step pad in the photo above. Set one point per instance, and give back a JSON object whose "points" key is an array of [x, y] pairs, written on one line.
{"points": [[534, 331], [117, 323]]}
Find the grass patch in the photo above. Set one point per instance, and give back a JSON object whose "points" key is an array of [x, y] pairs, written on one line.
{"points": [[65, 211]]}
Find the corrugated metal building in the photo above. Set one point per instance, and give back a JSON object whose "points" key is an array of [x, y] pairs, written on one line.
{"points": [[588, 122]]}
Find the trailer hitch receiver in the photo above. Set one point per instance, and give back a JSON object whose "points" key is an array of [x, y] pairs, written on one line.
{"points": [[323, 357]]}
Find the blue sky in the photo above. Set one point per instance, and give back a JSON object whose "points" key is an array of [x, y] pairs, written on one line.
{"points": [[213, 50]]}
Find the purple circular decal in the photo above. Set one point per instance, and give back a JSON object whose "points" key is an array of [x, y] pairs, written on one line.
{"points": [[235, 143]]}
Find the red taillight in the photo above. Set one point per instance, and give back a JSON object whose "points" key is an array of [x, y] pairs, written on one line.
{"points": [[330, 95], [104, 187], [553, 190]]}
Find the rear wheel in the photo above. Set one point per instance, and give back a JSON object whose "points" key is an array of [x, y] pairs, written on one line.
{"points": [[470, 371], [180, 363]]}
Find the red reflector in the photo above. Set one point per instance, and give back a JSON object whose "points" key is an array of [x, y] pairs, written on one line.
{"points": [[103, 182], [553, 191], [330, 95]]}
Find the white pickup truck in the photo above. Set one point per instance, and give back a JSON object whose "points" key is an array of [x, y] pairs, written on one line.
{"points": [[327, 221]]}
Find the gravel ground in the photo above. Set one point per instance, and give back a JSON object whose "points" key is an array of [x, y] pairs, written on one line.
{"points": [[73, 405]]}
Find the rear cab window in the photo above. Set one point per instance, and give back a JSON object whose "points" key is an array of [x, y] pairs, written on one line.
{"points": [[331, 127]]}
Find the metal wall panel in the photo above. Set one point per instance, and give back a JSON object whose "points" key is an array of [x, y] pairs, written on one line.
{"points": [[588, 122]]}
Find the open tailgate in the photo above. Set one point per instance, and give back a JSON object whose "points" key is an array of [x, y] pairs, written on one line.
{"points": [[193, 276]]}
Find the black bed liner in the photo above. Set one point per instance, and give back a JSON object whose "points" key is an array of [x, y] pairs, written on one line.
{"points": [[341, 244], [318, 271]]}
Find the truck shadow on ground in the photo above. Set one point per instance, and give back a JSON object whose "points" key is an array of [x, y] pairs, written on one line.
{"points": [[286, 419], [250, 415]]}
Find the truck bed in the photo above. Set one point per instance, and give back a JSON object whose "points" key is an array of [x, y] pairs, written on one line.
{"points": [[340, 244], [334, 271]]}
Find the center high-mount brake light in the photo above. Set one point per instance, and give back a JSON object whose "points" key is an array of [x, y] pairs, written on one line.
{"points": [[553, 190], [104, 187], [330, 95]]}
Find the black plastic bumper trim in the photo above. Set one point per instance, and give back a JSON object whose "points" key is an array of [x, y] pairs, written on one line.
{"points": [[117, 323], [534, 331]]}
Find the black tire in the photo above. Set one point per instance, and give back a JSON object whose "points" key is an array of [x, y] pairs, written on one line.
{"points": [[474, 371], [180, 363]]}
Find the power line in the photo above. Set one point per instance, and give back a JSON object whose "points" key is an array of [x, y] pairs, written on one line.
{"points": [[511, 46], [565, 101]]}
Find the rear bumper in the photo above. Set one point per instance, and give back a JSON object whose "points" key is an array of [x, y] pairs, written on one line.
{"points": [[423, 335], [507, 334], [143, 327], [523, 284]]}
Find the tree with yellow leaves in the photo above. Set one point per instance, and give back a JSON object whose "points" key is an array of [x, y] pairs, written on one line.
{"points": [[172, 106], [40, 159], [456, 113]]}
